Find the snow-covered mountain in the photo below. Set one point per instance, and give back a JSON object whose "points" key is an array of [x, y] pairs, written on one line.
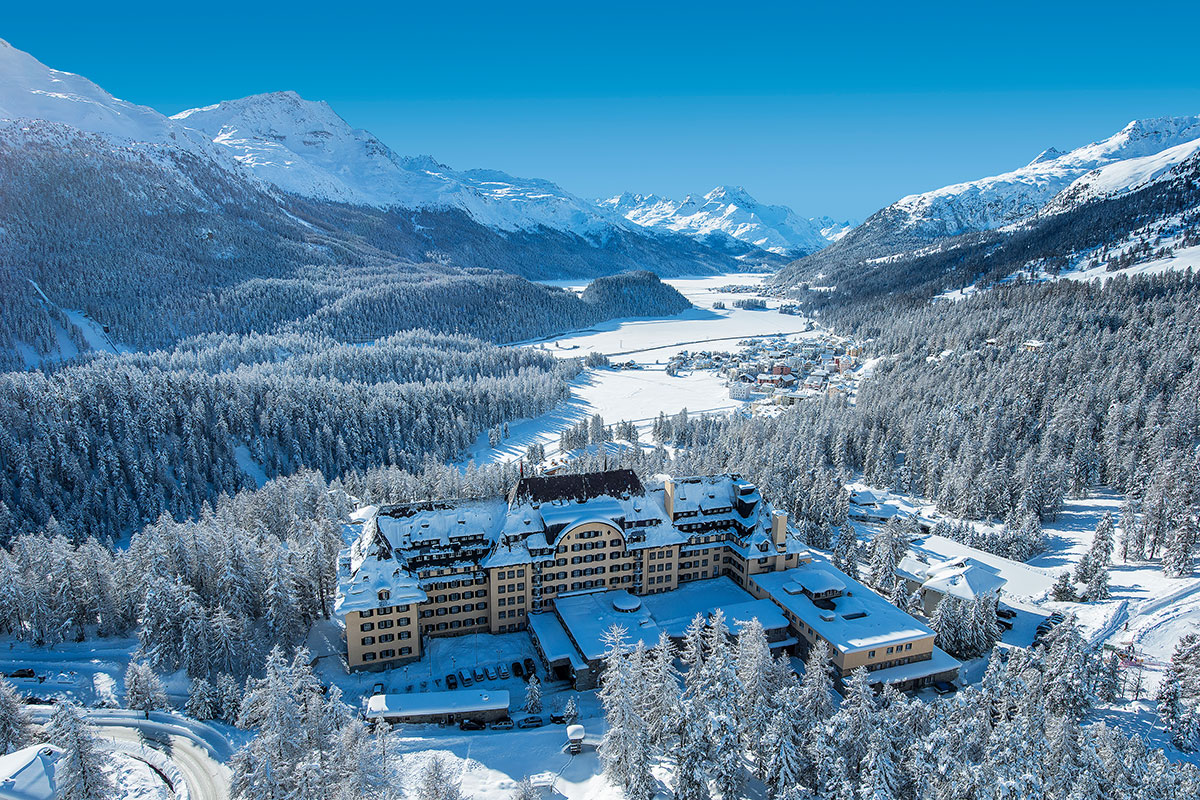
{"points": [[305, 148], [31, 90], [731, 212], [1000, 200], [299, 146]]}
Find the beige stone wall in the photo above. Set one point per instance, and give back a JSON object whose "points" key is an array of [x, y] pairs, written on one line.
{"points": [[917, 649], [380, 637], [511, 588], [595, 552], [660, 569]]}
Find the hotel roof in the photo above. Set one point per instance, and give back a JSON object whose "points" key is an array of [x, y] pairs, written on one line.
{"points": [[858, 620]]}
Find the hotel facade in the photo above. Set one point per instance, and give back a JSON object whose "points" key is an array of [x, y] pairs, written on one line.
{"points": [[445, 568]]}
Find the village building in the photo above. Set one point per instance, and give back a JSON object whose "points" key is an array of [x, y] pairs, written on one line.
{"points": [[962, 577]]}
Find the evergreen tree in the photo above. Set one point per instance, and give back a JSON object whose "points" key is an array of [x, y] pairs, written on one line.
{"points": [[202, 702], [82, 772], [16, 727], [143, 690], [533, 696]]}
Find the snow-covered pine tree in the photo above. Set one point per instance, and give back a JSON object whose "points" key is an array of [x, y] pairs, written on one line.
{"points": [[82, 772], [691, 754], [202, 702], [438, 780], [755, 694], [625, 747], [1097, 585], [660, 703], [950, 624], [1064, 588], [525, 791], [143, 690], [1179, 554], [571, 711], [533, 696], [16, 726]]}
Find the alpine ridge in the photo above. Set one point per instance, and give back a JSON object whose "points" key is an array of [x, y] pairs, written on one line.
{"points": [[731, 212]]}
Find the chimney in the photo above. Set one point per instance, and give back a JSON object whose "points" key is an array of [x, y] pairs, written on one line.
{"points": [[669, 497], [779, 530]]}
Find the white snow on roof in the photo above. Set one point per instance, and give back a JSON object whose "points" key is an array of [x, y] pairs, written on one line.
{"points": [[673, 611], [859, 620], [28, 773], [428, 703], [964, 578], [940, 662], [1021, 580], [555, 643], [818, 581], [587, 617]]}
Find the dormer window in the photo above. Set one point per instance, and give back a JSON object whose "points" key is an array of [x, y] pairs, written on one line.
{"points": [[384, 595]]}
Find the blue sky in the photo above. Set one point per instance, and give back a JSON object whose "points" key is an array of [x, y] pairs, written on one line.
{"points": [[837, 109]]}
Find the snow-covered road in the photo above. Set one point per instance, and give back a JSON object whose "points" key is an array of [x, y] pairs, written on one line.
{"points": [[197, 749]]}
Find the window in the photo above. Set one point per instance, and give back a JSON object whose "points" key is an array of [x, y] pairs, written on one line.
{"points": [[403, 621], [404, 651], [384, 595], [384, 610], [405, 635], [387, 653], [386, 623], [368, 641], [871, 654], [367, 626], [387, 637], [367, 613], [368, 656]]}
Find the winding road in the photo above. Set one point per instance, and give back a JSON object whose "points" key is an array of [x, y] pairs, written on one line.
{"points": [[199, 751]]}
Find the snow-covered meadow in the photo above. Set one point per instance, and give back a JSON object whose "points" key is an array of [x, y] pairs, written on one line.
{"points": [[639, 395]]}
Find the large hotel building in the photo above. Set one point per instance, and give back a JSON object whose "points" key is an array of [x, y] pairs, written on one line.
{"points": [[565, 556]]}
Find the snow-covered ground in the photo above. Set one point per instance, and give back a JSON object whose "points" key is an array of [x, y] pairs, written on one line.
{"points": [[647, 341], [639, 395]]}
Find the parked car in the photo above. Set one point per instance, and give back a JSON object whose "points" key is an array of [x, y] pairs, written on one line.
{"points": [[464, 677], [944, 687], [490, 672], [1003, 623], [518, 670], [378, 689], [531, 722], [480, 675], [505, 724], [558, 719], [504, 673], [470, 725], [1007, 613], [451, 682], [530, 668], [23, 672]]}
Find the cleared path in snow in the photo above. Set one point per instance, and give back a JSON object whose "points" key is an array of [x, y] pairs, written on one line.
{"points": [[197, 749]]}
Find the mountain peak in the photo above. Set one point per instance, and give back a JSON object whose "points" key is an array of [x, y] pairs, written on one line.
{"points": [[732, 212]]}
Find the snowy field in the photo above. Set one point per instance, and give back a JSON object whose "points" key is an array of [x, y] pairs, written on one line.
{"points": [[648, 341], [639, 395]]}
